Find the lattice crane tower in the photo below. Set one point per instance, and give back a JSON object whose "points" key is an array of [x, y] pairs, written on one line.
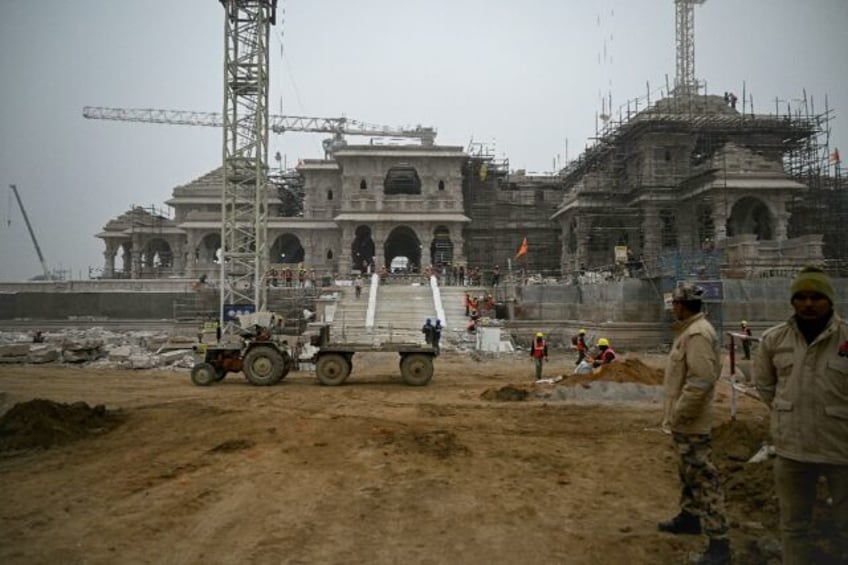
{"points": [[685, 82], [244, 206]]}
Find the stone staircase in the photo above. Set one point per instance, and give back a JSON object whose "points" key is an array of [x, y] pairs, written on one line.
{"points": [[400, 310]]}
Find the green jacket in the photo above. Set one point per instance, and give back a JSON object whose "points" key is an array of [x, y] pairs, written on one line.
{"points": [[693, 367], [806, 387]]}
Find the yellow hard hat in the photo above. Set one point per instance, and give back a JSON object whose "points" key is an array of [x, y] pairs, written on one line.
{"points": [[603, 341], [540, 334], [582, 332], [744, 322]]}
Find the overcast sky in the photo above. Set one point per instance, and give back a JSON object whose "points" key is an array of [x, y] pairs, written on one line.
{"points": [[526, 76]]}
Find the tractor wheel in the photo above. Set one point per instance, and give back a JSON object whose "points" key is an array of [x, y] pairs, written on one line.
{"points": [[203, 374], [288, 365], [332, 369], [416, 369], [220, 373], [263, 365]]}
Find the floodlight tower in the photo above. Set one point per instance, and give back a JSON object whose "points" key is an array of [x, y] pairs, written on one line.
{"points": [[685, 82], [244, 206]]}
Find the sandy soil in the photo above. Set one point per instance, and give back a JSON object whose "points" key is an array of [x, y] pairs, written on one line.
{"points": [[370, 472]]}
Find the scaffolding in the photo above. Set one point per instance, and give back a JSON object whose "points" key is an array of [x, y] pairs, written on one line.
{"points": [[667, 176]]}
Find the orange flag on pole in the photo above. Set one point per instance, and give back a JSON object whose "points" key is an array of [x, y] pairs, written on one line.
{"points": [[522, 250]]}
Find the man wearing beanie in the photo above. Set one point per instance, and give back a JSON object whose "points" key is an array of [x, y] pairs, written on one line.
{"points": [[801, 372]]}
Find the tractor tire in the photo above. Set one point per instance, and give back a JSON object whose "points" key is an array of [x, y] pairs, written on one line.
{"points": [[203, 374], [263, 365], [332, 369], [288, 365], [416, 369]]}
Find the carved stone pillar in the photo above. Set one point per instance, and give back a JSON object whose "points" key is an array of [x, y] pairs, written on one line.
{"points": [[581, 231], [652, 229]]}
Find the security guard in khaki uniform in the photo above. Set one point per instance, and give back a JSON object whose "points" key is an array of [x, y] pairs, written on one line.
{"points": [[693, 368], [801, 372]]}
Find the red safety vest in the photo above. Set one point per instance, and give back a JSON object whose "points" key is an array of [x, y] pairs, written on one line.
{"points": [[539, 348]]}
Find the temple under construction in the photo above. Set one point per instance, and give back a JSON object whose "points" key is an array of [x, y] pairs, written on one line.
{"points": [[689, 178]]}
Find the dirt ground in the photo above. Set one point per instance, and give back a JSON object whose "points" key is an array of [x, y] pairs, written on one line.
{"points": [[152, 469]]}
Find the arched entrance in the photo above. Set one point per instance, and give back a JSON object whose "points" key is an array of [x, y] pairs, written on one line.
{"points": [[157, 256], [403, 242], [362, 249], [287, 249], [441, 248], [751, 215], [209, 248]]}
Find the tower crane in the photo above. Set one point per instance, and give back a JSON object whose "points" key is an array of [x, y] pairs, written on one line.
{"points": [[47, 275], [684, 26], [339, 127]]}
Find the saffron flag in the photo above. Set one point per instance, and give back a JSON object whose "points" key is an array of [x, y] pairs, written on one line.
{"points": [[835, 158], [522, 250]]}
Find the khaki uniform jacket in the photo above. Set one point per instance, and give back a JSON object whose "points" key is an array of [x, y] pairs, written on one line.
{"points": [[806, 386], [694, 366]]}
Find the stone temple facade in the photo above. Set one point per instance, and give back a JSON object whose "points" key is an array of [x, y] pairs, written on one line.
{"points": [[685, 175]]}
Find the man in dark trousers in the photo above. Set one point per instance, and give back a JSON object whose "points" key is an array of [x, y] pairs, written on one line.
{"points": [[539, 353], [746, 343], [427, 330], [437, 336], [801, 372], [694, 366]]}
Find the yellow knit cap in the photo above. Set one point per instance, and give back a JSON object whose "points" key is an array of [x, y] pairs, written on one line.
{"points": [[813, 279]]}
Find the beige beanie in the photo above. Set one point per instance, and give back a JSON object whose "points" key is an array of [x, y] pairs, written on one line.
{"points": [[813, 279]]}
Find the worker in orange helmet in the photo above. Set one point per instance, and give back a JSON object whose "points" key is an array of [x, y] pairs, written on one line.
{"points": [[539, 353], [605, 355]]}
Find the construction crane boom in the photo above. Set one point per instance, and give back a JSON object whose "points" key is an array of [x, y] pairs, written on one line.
{"points": [[47, 275], [276, 123]]}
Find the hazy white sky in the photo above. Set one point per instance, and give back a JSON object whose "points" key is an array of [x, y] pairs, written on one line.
{"points": [[525, 75]]}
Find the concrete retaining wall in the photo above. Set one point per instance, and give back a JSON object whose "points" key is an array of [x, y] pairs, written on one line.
{"points": [[631, 313]]}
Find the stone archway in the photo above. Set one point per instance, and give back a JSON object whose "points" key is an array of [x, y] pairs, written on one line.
{"points": [[157, 254], [287, 249], [209, 249], [403, 242], [441, 247], [362, 249], [751, 215]]}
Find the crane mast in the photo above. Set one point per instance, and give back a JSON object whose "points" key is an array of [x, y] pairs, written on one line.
{"points": [[47, 275], [685, 82], [244, 203]]}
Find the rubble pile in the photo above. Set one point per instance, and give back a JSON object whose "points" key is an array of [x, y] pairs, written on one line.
{"points": [[96, 347]]}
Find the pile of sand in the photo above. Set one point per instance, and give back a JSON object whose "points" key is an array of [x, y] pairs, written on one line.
{"points": [[43, 423], [630, 370]]}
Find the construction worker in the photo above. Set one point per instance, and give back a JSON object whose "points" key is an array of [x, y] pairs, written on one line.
{"points": [[801, 372], [746, 343], [539, 353], [437, 336], [427, 330], [580, 345], [693, 367], [357, 285], [606, 354]]}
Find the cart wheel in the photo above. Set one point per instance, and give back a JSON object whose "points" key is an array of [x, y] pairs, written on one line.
{"points": [[203, 374], [332, 369], [416, 369], [263, 365]]}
